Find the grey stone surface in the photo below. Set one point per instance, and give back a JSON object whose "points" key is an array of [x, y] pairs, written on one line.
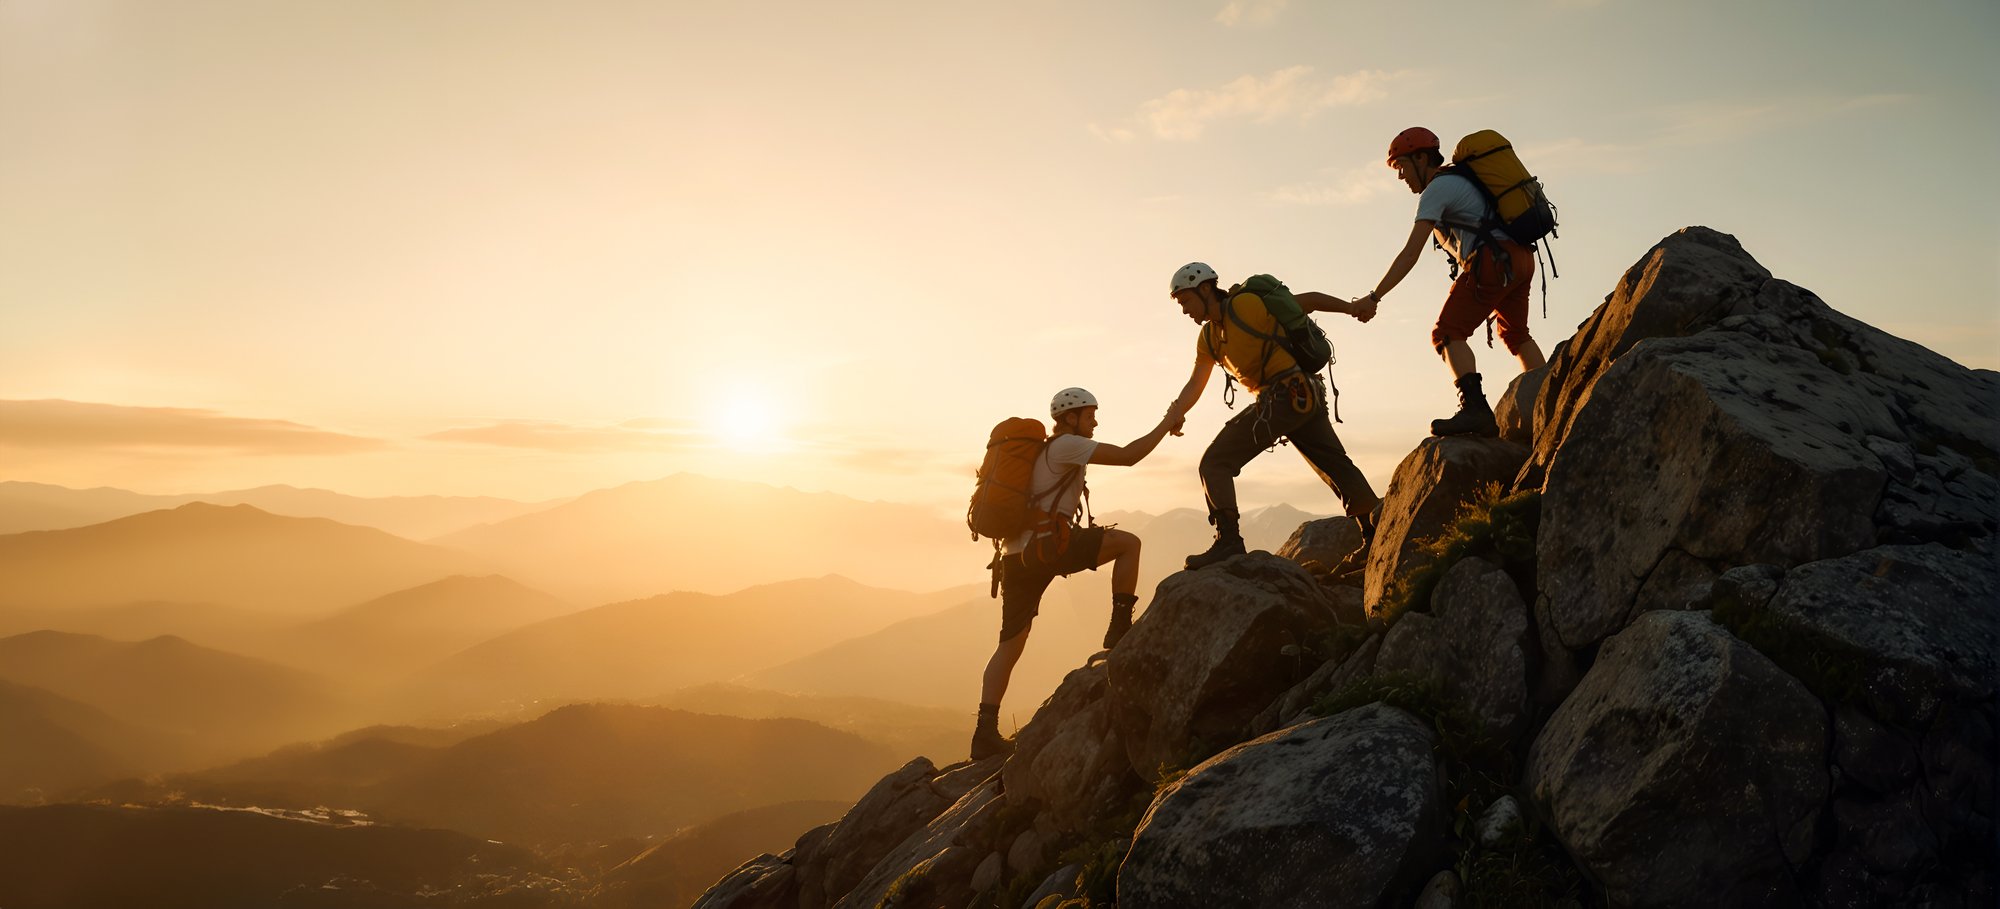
{"points": [[1429, 488], [1068, 759], [934, 865], [1323, 543], [1343, 811], [1515, 410], [1685, 769], [1210, 656]]}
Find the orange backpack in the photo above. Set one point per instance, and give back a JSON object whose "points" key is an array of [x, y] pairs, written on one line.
{"points": [[1002, 502]]}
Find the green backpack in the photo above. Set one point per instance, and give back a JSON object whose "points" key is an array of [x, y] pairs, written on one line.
{"points": [[1298, 334]]}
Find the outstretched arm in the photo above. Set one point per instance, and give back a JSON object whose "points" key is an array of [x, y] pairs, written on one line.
{"points": [[1405, 260], [1314, 301], [1134, 451], [1191, 392]]}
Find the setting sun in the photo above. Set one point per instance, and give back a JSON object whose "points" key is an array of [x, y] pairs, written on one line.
{"points": [[748, 420]]}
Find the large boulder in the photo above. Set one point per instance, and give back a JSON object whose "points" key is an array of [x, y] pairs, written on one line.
{"points": [[1907, 628], [1740, 458], [1686, 768], [765, 882], [1068, 759], [1216, 647], [896, 806], [1685, 283], [1342, 811], [1325, 543], [1709, 416], [1430, 487], [934, 865]]}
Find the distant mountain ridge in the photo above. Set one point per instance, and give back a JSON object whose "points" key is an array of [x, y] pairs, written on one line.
{"points": [[42, 506], [232, 555], [225, 703], [645, 648], [694, 533]]}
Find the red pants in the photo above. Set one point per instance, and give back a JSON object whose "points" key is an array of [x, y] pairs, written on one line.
{"points": [[1482, 289]]}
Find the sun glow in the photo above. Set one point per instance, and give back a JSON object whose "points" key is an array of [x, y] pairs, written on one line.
{"points": [[748, 420]]}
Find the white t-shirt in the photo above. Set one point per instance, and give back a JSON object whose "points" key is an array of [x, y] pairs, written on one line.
{"points": [[1065, 452], [1452, 197]]}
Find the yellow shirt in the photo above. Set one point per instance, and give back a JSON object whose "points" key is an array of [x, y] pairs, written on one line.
{"points": [[1252, 360]]}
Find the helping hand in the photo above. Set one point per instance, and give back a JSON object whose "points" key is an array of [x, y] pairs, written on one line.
{"points": [[1364, 307], [1174, 422]]}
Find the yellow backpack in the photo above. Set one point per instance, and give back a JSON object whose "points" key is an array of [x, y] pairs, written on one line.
{"points": [[1522, 211]]}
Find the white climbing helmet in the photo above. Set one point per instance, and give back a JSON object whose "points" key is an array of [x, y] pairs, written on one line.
{"points": [[1070, 399], [1191, 275]]}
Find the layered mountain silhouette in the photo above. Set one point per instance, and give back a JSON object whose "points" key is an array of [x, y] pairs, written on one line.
{"points": [[643, 648], [696, 533], [229, 555], [223, 703], [402, 632], [579, 774], [55, 744], [40, 506]]}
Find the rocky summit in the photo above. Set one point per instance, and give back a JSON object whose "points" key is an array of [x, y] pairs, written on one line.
{"points": [[1714, 622]]}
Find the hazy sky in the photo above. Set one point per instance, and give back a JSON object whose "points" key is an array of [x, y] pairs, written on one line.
{"points": [[530, 249]]}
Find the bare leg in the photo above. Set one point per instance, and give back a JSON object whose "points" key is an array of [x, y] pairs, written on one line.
{"points": [[1123, 547], [1531, 355], [1458, 356], [1001, 667]]}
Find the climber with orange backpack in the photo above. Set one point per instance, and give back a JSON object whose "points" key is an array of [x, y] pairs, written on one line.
{"points": [[1029, 496], [1244, 329], [1489, 218]]}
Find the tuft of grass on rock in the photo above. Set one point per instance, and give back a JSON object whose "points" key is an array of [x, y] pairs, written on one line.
{"points": [[1493, 525]]}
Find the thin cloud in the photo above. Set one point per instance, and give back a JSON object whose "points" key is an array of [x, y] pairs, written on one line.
{"points": [[77, 425], [1295, 92], [542, 435], [1251, 12], [1355, 186], [1714, 122]]}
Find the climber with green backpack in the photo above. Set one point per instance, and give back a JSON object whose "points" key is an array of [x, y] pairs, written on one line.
{"points": [[1262, 336], [1488, 217]]}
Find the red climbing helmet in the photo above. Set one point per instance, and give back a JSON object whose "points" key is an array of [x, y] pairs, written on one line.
{"points": [[1416, 138]]}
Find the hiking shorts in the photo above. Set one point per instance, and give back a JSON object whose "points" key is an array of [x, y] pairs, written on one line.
{"points": [[1025, 576], [1482, 289]]}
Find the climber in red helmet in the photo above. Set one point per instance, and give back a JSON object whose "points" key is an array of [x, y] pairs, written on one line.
{"points": [[1493, 277]]}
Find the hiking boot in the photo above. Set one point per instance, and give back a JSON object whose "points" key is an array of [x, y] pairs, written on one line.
{"points": [[986, 738], [1474, 417], [1228, 541], [1121, 618]]}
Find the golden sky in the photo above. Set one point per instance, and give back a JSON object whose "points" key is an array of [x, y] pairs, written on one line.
{"points": [[531, 249]]}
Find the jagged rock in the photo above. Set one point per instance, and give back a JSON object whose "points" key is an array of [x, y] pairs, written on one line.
{"points": [[1069, 759], [1346, 810], [1777, 430], [765, 882], [892, 809], [1686, 769], [987, 875], [1210, 656], [1325, 542], [934, 866], [1293, 706], [1911, 626], [1515, 411], [1429, 488], [1753, 470], [1685, 283]]}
